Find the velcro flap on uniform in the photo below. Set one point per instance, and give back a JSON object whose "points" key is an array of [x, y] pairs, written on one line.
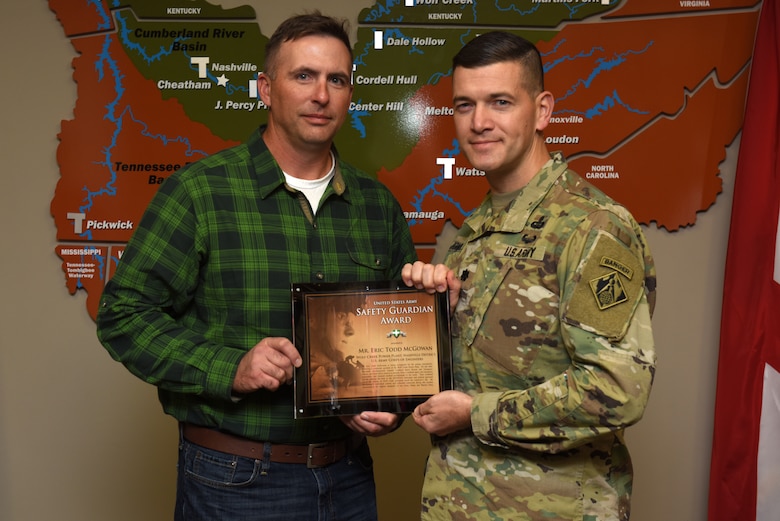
{"points": [[609, 286]]}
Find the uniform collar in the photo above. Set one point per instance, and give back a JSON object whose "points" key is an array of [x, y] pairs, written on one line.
{"points": [[513, 218]]}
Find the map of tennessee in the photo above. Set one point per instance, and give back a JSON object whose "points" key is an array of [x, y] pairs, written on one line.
{"points": [[648, 97]]}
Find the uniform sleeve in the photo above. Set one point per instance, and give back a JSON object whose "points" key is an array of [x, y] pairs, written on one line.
{"points": [[156, 280], [606, 276]]}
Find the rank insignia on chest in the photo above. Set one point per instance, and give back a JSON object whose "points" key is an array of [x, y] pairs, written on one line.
{"points": [[608, 290]]}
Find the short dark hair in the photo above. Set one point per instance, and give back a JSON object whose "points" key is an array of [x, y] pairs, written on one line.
{"points": [[500, 46], [298, 26]]}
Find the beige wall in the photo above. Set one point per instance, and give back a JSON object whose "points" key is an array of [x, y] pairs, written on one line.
{"points": [[81, 439]]}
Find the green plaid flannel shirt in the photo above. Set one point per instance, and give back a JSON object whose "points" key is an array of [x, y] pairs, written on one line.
{"points": [[207, 275]]}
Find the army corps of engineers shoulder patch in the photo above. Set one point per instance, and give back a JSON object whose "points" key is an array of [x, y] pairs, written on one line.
{"points": [[609, 289]]}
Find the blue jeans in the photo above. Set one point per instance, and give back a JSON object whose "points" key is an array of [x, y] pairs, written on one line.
{"points": [[214, 486]]}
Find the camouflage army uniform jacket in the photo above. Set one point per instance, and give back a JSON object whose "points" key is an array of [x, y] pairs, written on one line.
{"points": [[552, 338]]}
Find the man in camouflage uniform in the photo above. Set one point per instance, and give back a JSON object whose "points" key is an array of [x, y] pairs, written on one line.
{"points": [[553, 285]]}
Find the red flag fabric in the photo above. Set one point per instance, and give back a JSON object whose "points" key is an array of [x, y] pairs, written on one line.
{"points": [[750, 324]]}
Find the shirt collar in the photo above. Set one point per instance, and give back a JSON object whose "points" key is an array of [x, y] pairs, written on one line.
{"points": [[268, 173]]}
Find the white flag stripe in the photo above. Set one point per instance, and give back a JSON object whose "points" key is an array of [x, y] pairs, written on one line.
{"points": [[777, 253], [768, 473]]}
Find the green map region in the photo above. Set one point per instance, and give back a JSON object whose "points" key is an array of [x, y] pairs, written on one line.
{"points": [[648, 96]]}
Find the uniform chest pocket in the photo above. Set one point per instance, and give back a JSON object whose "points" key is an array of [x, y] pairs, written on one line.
{"points": [[518, 332]]}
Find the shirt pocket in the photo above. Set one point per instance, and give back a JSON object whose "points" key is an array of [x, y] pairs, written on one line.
{"points": [[370, 262]]}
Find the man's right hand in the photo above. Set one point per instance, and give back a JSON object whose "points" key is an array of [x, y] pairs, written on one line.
{"points": [[432, 278], [268, 365]]}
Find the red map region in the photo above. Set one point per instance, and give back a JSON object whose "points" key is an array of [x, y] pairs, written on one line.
{"points": [[678, 178], [645, 7], [418, 182], [120, 122], [115, 252], [655, 71], [88, 267], [658, 102], [84, 268], [76, 22]]}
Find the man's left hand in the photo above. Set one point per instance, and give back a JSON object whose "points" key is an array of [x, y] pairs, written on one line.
{"points": [[371, 423], [444, 413]]}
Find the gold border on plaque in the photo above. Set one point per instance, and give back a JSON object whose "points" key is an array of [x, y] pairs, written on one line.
{"points": [[369, 346]]}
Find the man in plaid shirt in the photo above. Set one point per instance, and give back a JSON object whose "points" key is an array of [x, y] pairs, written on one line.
{"points": [[200, 303]]}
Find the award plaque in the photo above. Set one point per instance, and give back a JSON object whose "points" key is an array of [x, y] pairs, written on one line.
{"points": [[369, 346]]}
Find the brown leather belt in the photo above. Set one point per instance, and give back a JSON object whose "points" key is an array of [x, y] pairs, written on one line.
{"points": [[313, 455]]}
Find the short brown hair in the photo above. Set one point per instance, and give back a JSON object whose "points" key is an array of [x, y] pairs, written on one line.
{"points": [[298, 26]]}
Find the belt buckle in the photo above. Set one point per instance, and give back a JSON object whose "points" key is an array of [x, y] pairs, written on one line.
{"points": [[310, 456]]}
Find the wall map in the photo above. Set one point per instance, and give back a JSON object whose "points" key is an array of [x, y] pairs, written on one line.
{"points": [[648, 97]]}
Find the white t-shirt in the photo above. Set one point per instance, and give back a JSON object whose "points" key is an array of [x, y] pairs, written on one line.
{"points": [[312, 189]]}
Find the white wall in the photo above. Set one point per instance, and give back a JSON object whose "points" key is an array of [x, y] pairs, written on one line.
{"points": [[81, 439]]}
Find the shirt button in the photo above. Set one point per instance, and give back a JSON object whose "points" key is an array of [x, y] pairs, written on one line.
{"points": [[319, 275]]}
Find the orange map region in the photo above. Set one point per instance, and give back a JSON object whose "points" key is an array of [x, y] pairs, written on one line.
{"points": [[645, 74], [88, 267], [76, 22], [645, 114], [427, 198], [123, 141]]}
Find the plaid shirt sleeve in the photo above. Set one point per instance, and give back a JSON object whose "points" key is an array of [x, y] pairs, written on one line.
{"points": [[158, 275]]}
